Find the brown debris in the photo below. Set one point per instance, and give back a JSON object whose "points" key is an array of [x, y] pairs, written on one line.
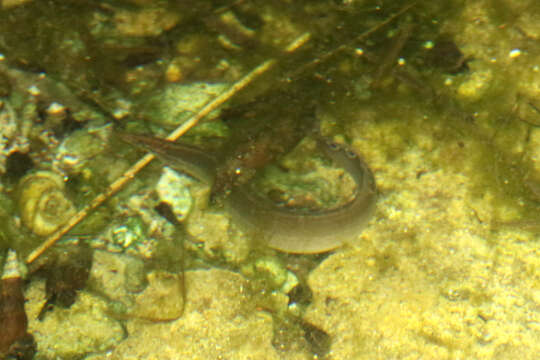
{"points": [[15, 342]]}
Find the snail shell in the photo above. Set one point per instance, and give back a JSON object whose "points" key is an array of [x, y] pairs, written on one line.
{"points": [[43, 204]]}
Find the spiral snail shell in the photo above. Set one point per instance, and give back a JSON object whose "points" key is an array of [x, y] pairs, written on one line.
{"points": [[43, 204]]}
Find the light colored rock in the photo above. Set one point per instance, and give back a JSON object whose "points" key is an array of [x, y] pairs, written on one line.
{"points": [[146, 21], [213, 233], [6, 4], [177, 102], [476, 86]]}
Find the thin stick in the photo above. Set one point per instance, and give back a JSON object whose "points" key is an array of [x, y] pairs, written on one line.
{"points": [[315, 62], [119, 183]]}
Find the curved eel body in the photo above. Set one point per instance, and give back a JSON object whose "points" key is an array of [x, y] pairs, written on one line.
{"points": [[285, 229]]}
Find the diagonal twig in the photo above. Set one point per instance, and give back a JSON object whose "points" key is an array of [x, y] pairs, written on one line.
{"points": [[118, 184]]}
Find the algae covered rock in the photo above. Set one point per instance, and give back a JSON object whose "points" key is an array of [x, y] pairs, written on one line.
{"points": [[116, 276], [175, 103], [84, 328], [432, 277]]}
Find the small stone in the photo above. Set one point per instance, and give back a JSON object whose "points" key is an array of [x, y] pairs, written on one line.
{"points": [[145, 22], [173, 189], [476, 86], [117, 276], [178, 102], [174, 73], [6, 4], [76, 150], [273, 269]]}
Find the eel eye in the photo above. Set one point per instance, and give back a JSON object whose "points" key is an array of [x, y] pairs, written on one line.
{"points": [[334, 146], [351, 154]]}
